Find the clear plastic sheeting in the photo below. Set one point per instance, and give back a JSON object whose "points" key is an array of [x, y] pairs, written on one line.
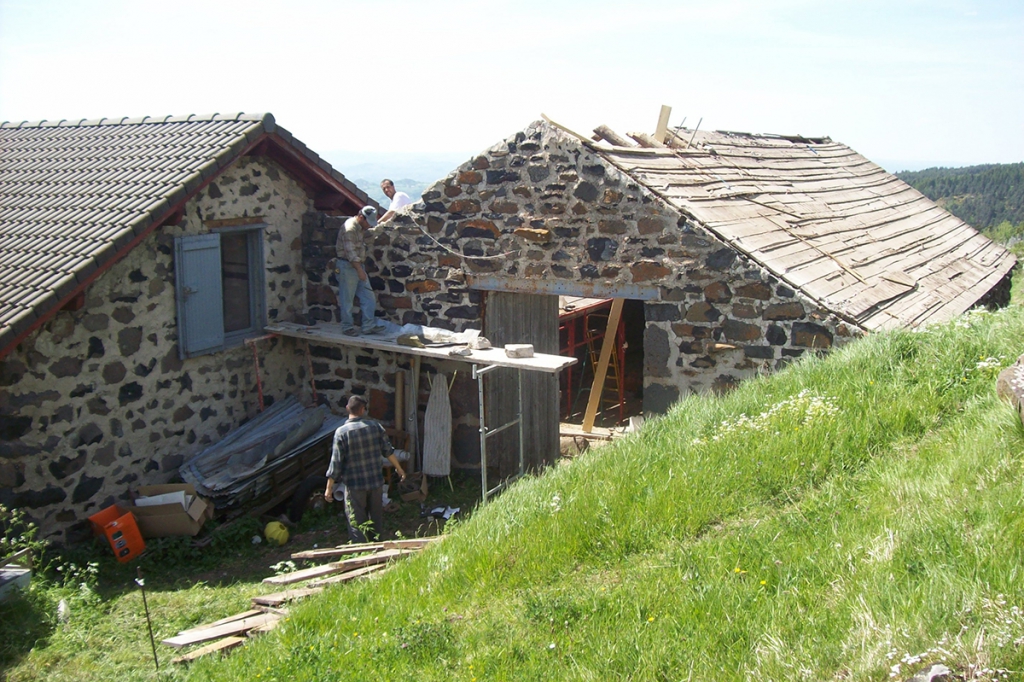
{"points": [[238, 467]]}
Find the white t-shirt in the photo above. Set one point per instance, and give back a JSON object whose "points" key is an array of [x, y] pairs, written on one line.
{"points": [[399, 200]]}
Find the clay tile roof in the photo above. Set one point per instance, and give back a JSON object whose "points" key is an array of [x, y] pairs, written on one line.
{"points": [[75, 193], [823, 219]]}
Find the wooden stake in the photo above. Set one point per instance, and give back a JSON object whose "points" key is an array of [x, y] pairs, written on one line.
{"points": [[602, 365]]}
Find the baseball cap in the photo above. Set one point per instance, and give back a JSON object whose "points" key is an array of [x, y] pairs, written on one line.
{"points": [[370, 213]]}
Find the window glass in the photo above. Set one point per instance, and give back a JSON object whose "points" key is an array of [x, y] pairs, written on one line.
{"points": [[234, 258]]}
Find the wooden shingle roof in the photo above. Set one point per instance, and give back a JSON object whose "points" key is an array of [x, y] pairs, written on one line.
{"points": [[825, 220], [77, 195]]}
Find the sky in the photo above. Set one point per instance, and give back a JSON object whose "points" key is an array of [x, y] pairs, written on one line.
{"points": [[430, 82]]}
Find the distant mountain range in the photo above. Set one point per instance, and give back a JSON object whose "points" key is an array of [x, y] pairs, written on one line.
{"points": [[411, 172]]}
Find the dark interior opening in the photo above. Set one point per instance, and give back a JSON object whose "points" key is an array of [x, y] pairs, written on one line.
{"points": [[583, 325]]}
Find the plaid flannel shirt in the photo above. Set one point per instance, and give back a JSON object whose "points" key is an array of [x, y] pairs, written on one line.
{"points": [[359, 445], [351, 245]]}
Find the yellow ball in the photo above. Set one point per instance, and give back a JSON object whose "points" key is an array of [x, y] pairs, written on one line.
{"points": [[276, 533]]}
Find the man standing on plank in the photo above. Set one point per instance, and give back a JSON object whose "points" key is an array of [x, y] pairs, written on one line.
{"points": [[352, 279], [398, 199], [359, 445]]}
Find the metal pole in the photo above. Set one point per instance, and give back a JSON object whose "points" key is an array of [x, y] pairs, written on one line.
{"points": [[519, 374], [152, 642], [483, 434]]}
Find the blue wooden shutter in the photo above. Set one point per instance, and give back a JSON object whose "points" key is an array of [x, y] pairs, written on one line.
{"points": [[198, 290]]}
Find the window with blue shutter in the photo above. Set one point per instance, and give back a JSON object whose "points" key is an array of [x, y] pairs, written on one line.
{"points": [[220, 289]]}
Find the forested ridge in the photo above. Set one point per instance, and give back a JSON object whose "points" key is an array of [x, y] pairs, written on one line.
{"points": [[988, 197]]}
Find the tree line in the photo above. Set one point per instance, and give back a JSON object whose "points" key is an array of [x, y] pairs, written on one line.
{"points": [[989, 197]]}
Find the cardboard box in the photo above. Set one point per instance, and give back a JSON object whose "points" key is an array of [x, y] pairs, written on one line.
{"points": [[164, 520]]}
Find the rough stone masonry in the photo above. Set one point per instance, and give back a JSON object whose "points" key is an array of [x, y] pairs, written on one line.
{"points": [[541, 206], [99, 400]]}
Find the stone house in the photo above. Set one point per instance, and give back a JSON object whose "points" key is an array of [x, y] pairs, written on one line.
{"points": [[136, 258], [140, 261], [736, 253]]}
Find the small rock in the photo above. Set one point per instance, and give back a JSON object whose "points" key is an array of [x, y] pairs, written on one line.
{"points": [[936, 673]]}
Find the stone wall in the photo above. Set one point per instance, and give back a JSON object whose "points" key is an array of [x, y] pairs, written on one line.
{"points": [[542, 207], [341, 371], [98, 400]]}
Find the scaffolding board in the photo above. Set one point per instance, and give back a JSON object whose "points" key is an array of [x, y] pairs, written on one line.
{"points": [[483, 361]]}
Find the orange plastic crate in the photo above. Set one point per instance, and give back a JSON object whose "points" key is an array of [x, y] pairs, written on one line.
{"points": [[103, 517], [121, 531]]}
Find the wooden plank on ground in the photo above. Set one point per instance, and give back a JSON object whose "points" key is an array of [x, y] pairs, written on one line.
{"points": [[336, 567], [349, 575], [343, 550], [266, 627], [233, 628], [278, 598], [222, 621], [220, 645], [411, 543]]}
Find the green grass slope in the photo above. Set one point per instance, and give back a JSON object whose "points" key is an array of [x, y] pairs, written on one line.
{"points": [[854, 517]]}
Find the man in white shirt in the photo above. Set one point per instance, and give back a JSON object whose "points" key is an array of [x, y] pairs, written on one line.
{"points": [[398, 199]]}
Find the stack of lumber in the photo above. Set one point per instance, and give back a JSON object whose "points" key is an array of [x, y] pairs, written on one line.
{"points": [[373, 556], [266, 613]]}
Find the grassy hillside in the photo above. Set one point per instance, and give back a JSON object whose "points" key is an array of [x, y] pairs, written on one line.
{"points": [[847, 519], [856, 517], [988, 197]]}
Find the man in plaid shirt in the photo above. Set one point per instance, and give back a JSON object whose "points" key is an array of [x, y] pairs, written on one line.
{"points": [[359, 445]]}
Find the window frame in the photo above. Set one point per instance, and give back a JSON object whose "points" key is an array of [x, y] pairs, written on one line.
{"points": [[257, 283], [191, 317]]}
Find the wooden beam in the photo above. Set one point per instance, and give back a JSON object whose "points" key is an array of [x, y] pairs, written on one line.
{"points": [[234, 222], [222, 621], [349, 575], [220, 645], [278, 598], [233, 628], [411, 543], [343, 550], [662, 130], [647, 141], [336, 567], [612, 137], [602, 365]]}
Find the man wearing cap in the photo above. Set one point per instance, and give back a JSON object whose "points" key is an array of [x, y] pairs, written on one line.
{"points": [[359, 445], [352, 279], [398, 199]]}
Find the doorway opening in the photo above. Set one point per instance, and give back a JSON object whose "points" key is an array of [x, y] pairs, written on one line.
{"points": [[583, 331]]}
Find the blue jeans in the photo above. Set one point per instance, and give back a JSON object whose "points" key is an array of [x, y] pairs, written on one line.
{"points": [[349, 286]]}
